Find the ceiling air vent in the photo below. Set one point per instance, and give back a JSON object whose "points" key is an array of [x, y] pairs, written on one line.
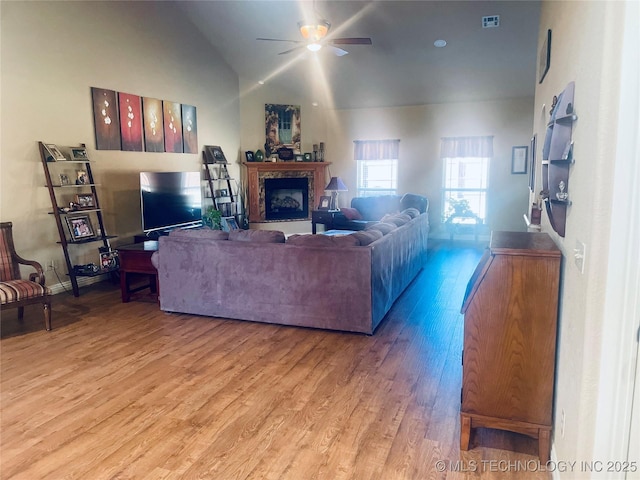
{"points": [[491, 21]]}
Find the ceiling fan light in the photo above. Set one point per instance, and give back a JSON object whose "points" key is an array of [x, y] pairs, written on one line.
{"points": [[314, 31], [314, 47]]}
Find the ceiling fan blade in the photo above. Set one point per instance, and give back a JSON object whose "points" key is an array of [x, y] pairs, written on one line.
{"points": [[351, 41], [337, 51], [278, 40], [291, 50]]}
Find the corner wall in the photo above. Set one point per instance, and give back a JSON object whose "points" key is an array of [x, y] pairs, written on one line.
{"points": [[52, 54]]}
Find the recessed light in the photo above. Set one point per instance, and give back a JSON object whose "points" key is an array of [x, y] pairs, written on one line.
{"points": [[440, 43], [260, 82], [314, 104]]}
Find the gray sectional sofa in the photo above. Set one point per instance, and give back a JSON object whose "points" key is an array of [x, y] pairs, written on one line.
{"points": [[347, 282]]}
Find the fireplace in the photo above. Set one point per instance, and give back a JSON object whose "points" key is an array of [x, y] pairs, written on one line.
{"points": [[286, 198], [298, 177]]}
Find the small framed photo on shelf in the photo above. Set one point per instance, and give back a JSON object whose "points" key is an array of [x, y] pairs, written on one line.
{"points": [[325, 203], [299, 157], [308, 157], [64, 179], [519, 160], [214, 154], [109, 260], [249, 155], [222, 192], [80, 227], [230, 223], [85, 200], [78, 154], [82, 178], [55, 153]]}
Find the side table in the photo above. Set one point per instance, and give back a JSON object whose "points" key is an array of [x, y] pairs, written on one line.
{"points": [[136, 258], [322, 217]]}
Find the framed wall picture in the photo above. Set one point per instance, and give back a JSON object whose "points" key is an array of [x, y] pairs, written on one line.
{"points": [[80, 227], [519, 160], [105, 118], [86, 200], [189, 129], [282, 126], [172, 127], [130, 121], [532, 163], [153, 124], [325, 203], [544, 59]]}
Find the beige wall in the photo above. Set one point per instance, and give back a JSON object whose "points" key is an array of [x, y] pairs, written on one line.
{"points": [[586, 47], [419, 129], [52, 53]]}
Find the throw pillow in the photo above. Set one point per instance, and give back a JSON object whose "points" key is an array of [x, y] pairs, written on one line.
{"points": [[365, 237], [382, 227], [351, 213], [257, 236], [396, 219], [412, 212]]}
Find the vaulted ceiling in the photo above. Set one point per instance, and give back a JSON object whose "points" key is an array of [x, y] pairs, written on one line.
{"points": [[402, 66]]}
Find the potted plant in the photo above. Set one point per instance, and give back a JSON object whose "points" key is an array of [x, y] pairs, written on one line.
{"points": [[212, 218], [459, 208]]}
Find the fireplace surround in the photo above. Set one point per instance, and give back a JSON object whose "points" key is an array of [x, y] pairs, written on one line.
{"points": [[259, 172]]}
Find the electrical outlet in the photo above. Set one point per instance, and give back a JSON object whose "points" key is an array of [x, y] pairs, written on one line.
{"points": [[579, 255], [562, 420]]}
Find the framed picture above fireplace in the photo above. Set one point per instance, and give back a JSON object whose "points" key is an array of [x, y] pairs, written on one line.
{"points": [[282, 127]]}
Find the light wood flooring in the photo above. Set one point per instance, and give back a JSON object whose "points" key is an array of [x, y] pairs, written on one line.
{"points": [[125, 391]]}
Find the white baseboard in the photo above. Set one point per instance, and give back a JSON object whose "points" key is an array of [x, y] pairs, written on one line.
{"points": [[61, 287]]}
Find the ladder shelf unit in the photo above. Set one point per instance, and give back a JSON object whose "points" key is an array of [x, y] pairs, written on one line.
{"points": [[79, 227]]}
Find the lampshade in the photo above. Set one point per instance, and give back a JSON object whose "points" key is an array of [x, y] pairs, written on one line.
{"points": [[336, 185], [314, 31]]}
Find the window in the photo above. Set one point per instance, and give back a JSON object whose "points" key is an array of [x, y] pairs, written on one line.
{"points": [[466, 175], [377, 164]]}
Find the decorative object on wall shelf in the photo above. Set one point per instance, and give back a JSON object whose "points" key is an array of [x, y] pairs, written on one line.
{"points": [[86, 200], [557, 158], [78, 154], [519, 160], [259, 156], [214, 154], [81, 177], [249, 156], [308, 157], [544, 59], [80, 227]]}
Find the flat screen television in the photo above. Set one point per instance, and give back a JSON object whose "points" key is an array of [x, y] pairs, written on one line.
{"points": [[170, 200]]}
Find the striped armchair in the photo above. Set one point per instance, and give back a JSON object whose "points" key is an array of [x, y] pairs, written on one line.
{"points": [[15, 292]]}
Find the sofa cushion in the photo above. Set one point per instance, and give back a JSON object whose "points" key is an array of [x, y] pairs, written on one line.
{"points": [[412, 212], [397, 219], [413, 200], [257, 236], [309, 240], [366, 237], [200, 233], [351, 213], [374, 208], [384, 228]]}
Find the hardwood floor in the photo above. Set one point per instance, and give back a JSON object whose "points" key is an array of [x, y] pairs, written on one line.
{"points": [[127, 391]]}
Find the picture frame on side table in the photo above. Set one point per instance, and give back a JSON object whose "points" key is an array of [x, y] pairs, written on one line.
{"points": [[325, 202], [519, 160], [80, 227]]}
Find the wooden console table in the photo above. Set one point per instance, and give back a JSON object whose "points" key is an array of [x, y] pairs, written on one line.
{"points": [[136, 259]]}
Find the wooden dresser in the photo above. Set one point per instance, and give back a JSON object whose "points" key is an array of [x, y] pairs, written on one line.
{"points": [[510, 315]]}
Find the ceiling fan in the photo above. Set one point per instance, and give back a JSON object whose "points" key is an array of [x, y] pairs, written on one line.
{"points": [[314, 34]]}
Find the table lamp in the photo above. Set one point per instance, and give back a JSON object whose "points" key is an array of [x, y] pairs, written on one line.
{"points": [[335, 185]]}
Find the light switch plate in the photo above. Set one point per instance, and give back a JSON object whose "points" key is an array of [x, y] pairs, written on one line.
{"points": [[579, 255]]}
